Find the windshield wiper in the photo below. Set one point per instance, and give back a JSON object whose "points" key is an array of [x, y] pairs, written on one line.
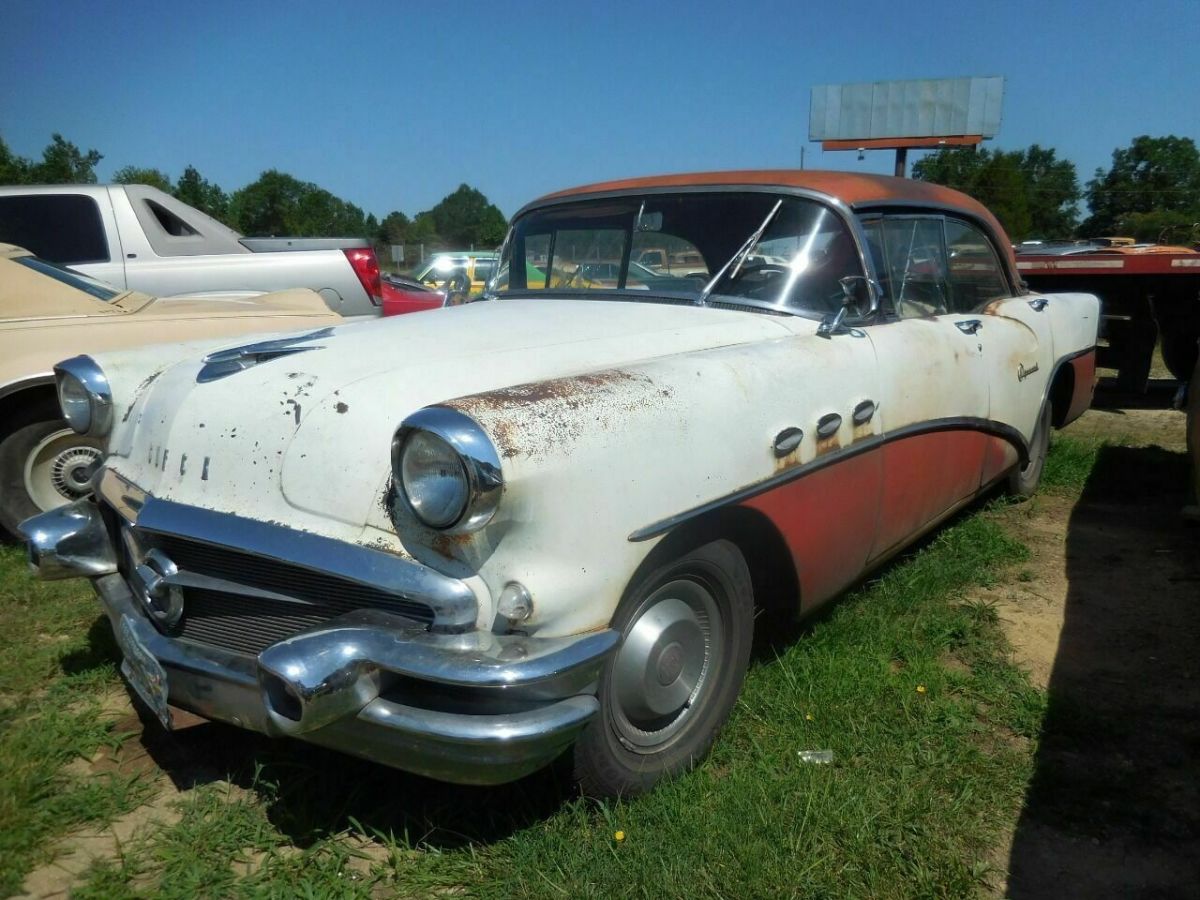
{"points": [[740, 257]]}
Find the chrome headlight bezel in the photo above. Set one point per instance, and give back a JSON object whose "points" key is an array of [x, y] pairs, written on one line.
{"points": [[477, 456], [83, 377]]}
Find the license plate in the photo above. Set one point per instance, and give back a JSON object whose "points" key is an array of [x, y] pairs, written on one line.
{"points": [[144, 673]]}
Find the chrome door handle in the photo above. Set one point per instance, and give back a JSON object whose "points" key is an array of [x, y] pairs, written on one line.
{"points": [[969, 326], [1039, 304]]}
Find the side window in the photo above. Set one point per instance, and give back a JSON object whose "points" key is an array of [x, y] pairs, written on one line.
{"points": [[976, 275], [915, 266], [63, 228], [483, 269]]}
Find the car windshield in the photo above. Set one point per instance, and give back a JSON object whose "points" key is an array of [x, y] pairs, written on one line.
{"points": [[77, 280], [675, 245]]}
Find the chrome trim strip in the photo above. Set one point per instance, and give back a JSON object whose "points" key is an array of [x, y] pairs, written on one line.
{"points": [[453, 603], [956, 423]]}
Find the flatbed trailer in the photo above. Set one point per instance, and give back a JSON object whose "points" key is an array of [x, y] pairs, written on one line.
{"points": [[1143, 296]]}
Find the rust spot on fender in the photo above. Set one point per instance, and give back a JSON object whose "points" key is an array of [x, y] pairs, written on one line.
{"points": [[446, 544], [525, 418], [139, 391], [787, 462], [828, 445], [571, 391]]}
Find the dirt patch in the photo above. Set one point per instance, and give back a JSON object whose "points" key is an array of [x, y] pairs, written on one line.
{"points": [[1132, 427], [1105, 616], [75, 853]]}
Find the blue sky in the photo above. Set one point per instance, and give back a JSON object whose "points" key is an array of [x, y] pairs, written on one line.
{"points": [[392, 105]]}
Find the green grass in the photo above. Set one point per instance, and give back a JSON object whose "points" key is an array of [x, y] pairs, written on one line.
{"points": [[907, 682], [54, 670]]}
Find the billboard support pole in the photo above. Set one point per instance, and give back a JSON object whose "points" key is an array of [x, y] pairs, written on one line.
{"points": [[901, 161]]}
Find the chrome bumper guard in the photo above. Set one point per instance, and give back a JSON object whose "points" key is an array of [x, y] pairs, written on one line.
{"points": [[473, 707], [69, 542]]}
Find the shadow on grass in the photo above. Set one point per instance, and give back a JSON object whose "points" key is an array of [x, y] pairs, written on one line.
{"points": [[1114, 805], [101, 650]]}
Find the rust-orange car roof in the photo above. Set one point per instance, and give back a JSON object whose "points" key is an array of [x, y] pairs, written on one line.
{"points": [[851, 188]]}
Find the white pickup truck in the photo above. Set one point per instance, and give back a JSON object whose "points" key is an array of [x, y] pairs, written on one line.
{"points": [[140, 238]]}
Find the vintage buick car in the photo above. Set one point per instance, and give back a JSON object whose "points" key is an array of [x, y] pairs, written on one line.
{"points": [[459, 542]]}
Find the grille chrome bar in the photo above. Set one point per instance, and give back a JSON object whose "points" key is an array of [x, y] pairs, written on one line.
{"points": [[275, 559]]}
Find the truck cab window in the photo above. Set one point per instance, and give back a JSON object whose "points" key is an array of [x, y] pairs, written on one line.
{"points": [[63, 228]]}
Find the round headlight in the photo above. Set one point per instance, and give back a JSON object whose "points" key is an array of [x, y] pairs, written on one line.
{"points": [[75, 403], [84, 395], [447, 470], [433, 479]]}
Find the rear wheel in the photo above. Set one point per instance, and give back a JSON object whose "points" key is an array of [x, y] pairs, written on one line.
{"points": [[686, 635], [1023, 481], [43, 465]]}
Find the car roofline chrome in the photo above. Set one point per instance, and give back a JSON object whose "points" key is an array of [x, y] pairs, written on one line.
{"points": [[454, 604]]}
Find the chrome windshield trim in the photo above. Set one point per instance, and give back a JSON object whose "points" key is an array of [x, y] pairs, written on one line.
{"points": [[453, 602], [842, 209]]}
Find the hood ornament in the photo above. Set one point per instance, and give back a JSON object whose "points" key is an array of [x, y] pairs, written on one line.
{"points": [[236, 359]]}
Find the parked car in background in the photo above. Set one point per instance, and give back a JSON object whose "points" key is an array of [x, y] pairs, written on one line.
{"points": [[463, 274], [140, 238], [47, 313], [552, 517]]}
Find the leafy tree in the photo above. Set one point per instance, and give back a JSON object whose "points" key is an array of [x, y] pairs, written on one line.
{"points": [[394, 228], [135, 175], [423, 229], [1151, 175], [1052, 192], [63, 163], [279, 204], [13, 169], [199, 192], [1031, 191], [466, 218]]}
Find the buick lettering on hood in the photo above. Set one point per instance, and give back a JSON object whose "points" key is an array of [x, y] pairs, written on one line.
{"points": [[463, 541]]}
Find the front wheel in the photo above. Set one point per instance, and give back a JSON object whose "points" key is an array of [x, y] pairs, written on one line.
{"points": [[43, 465], [1023, 481], [686, 632]]}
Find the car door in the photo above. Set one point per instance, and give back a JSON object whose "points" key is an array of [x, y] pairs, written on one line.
{"points": [[933, 380], [1015, 336]]}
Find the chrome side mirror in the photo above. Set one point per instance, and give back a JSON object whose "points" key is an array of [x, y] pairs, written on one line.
{"points": [[855, 289]]}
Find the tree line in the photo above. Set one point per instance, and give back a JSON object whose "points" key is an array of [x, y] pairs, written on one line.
{"points": [[1150, 192], [276, 203]]}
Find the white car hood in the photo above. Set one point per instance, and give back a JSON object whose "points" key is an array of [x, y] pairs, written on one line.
{"points": [[305, 437]]}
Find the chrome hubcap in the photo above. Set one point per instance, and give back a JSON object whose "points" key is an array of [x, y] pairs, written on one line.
{"points": [[60, 468], [663, 671]]}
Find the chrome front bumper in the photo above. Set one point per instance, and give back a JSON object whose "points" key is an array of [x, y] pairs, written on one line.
{"points": [[473, 707]]}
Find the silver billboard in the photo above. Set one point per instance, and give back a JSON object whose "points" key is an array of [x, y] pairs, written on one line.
{"points": [[939, 107]]}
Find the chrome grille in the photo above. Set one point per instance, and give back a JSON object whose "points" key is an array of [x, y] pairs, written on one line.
{"points": [[248, 624]]}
